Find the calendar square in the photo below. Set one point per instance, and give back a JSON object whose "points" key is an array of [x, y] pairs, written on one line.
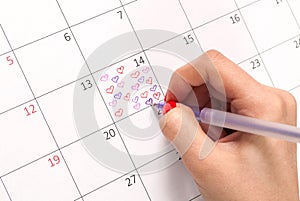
{"points": [[128, 87], [21, 127], [79, 111], [3, 194], [283, 68], [175, 183], [255, 67], [54, 62], [237, 45], [199, 15], [245, 3], [81, 10], [97, 161], [27, 21], [262, 26], [4, 46], [143, 138], [295, 6], [145, 14], [13, 84], [105, 39], [128, 187], [47, 179]]}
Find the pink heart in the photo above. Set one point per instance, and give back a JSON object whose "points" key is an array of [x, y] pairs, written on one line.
{"points": [[136, 74], [137, 106], [127, 97], [135, 87], [119, 113], [149, 80], [146, 70], [113, 103], [121, 84], [104, 78]]}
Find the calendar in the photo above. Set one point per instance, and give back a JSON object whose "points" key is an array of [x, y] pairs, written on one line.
{"points": [[78, 78]]}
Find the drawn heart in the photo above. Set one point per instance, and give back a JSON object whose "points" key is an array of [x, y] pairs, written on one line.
{"points": [[110, 90], [157, 95], [115, 79], [136, 99], [118, 95], [137, 106], [135, 74], [153, 89], [149, 80], [119, 113], [141, 80], [113, 103], [121, 70], [121, 84], [127, 97], [145, 94], [104, 78], [149, 102], [146, 70], [135, 87]]}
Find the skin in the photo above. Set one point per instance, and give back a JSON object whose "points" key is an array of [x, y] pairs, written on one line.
{"points": [[242, 167]]}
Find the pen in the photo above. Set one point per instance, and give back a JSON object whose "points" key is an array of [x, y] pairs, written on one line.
{"points": [[243, 123]]}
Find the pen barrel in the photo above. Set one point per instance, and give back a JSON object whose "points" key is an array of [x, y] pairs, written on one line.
{"points": [[249, 125]]}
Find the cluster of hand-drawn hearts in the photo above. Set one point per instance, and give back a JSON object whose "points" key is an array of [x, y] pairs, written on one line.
{"points": [[139, 78]]}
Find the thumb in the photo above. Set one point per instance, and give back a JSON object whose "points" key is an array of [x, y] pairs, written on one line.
{"points": [[182, 129]]}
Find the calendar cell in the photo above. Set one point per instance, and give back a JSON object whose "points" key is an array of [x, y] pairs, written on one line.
{"points": [[80, 10], [295, 6], [49, 172], [205, 13], [102, 40], [13, 84], [54, 62], [3, 194], [76, 103], [22, 126], [128, 187], [237, 45], [285, 67], [262, 26], [156, 11], [143, 138], [36, 19], [255, 67], [175, 183], [100, 158], [4, 46]]}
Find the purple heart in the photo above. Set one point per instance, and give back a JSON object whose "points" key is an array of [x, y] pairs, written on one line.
{"points": [[121, 84], [153, 89], [136, 99], [118, 95], [142, 79], [149, 102], [115, 79]]}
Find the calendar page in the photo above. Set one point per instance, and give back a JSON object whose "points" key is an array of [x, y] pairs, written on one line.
{"points": [[78, 78]]}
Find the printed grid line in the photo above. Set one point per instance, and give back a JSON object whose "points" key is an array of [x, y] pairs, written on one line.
{"points": [[198, 196], [290, 7], [162, 42], [40, 109], [8, 195], [95, 82], [137, 54]]}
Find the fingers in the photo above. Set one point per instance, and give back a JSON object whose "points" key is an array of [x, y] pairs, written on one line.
{"points": [[216, 71], [183, 130]]}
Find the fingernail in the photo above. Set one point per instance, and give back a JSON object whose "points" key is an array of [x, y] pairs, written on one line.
{"points": [[169, 106]]}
